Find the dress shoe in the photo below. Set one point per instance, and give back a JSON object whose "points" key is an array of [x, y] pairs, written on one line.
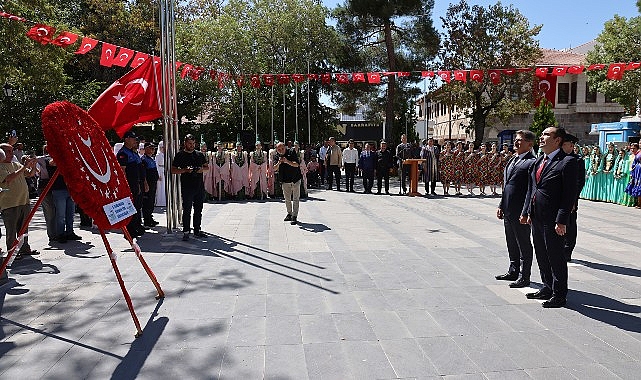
{"points": [[542, 294], [520, 283], [507, 277], [73, 236], [185, 237], [554, 302], [200, 234], [288, 218], [294, 220]]}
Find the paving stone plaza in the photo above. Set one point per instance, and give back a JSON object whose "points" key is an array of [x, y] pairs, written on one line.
{"points": [[365, 287]]}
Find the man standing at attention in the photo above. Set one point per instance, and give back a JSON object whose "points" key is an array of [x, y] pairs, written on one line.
{"points": [[131, 163], [430, 153], [334, 162], [191, 164], [367, 163], [512, 208], [288, 167], [350, 160], [552, 193], [384, 163], [151, 173], [570, 236]]}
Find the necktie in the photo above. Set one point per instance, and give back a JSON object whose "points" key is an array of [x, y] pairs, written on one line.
{"points": [[540, 170]]}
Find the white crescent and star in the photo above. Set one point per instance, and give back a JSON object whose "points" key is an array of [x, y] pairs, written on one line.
{"points": [[102, 177], [545, 82], [43, 32]]}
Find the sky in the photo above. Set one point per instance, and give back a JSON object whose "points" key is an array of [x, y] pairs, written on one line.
{"points": [[566, 23]]}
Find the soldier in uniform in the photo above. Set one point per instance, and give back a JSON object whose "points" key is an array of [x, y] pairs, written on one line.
{"points": [[151, 173], [131, 163]]}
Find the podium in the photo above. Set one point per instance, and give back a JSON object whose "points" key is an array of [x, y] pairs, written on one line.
{"points": [[413, 164]]}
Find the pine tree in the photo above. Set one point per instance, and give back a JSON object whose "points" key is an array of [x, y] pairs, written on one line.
{"points": [[543, 118]]}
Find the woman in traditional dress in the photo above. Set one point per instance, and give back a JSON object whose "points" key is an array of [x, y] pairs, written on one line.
{"points": [[634, 187], [446, 167], [221, 175], [495, 172], [506, 152], [621, 175], [239, 170], [161, 197], [458, 166], [607, 179], [258, 171], [596, 172], [587, 188], [470, 173], [481, 175]]}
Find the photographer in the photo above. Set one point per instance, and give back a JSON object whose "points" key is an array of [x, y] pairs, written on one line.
{"points": [[191, 164], [288, 167]]}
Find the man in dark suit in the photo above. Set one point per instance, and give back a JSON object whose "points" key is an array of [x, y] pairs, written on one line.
{"points": [[570, 235], [513, 208], [551, 196]]}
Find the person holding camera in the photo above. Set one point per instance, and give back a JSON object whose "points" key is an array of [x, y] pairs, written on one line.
{"points": [[191, 164], [288, 167]]}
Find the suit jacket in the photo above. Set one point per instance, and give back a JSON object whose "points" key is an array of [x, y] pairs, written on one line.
{"points": [[516, 183], [580, 181], [553, 197]]}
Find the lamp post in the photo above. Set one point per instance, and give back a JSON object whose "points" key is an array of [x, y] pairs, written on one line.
{"points": [[8, 90]]}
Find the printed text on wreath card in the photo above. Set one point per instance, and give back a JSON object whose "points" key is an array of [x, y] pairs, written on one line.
{"points": [[119, 210]]}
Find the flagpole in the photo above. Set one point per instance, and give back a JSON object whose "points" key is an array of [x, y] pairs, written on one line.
{"points": [[256, 125], [272, 104], [296, 100], [242, 109], [309, 115], [284, 125]]}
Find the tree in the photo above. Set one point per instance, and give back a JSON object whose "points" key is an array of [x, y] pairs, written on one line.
{"points": [[620, 41], [381, 35], [543, 117], [489, 38]]}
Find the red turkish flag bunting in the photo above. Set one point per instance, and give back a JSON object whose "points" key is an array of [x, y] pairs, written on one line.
{"points": [[427, 74], [541, 72], [298, 78], [633, 66], [222, 78], [213, 75], [185, 71], [255, 81], [342, 78], [524, 69], [65, 39], [139, 58], [358, 77], [560, 71], [576, 69], [123, 57], [404, 74], [269, 80], [129, 100], [476, 75], [313, 76], [326, 78], [108, 53], [460, 75], [509, 71], [283, 79], [374, 78], [12, 17], [445, 75], [240, 80], [615, 71], [495, 76], [196, 72], [41, 33], [596, 67]]}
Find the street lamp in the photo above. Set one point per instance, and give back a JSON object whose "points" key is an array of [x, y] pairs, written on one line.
{"points": [[8, 90]]}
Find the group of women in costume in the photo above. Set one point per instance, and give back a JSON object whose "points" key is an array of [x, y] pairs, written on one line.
{"points": [[612, 176]]}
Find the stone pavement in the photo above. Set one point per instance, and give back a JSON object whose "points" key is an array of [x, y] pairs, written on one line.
{"points": [[365, 287]]}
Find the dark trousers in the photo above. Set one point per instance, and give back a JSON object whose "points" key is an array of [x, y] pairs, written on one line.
{"points": [[193, 197], [368, 180], [380, 174], [333, 171], [149, 202], [323, 171], [570, 236], [14, 218], [135, 224], [405, 174], [350, 171], [430, 181], [548, 247], [519, 246]]}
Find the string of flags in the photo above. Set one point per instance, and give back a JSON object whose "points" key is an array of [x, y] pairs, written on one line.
{"points": [[112, 55]]}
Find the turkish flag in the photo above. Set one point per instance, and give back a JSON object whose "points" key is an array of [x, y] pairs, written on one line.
{"points": [[560, 71], [326, 78], [633, 66], [509, 71], [268, 79], [596, 67], [240, 80], [576, 69], [445, 75], [132, 99], [283, 79], [108, 53], [460, 75], [404, 74], [41, 33], [342, 78], [427, 74], [86, 45], [541, 72], [495, 76], [139, 58], [12, 17], [255, 81], [123, 57], [185, 71], [358, 77], [196, 72], [546, 89], [298, 78], [374, 78], [313, 76], [615, 71], [476, 75], [65, 39], [222, 78]]}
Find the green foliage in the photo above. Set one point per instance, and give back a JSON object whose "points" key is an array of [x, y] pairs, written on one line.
{"points": [[543, 118], [620, 41], [488, 38]]}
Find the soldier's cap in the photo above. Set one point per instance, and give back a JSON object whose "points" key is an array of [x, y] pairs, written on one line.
{"points": [[571, 138], [129, 134], [383, 142], [150, 144]]}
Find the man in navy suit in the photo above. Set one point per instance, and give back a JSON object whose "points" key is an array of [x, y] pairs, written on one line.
{"points": [[551, 196], [570, 235], [513, 208]]}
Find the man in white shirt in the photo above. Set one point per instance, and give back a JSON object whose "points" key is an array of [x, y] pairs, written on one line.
{"points": [[350, 162]]}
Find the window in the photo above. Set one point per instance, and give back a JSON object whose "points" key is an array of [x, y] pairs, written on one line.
{"points": [[563, 93], [573, 88], [590, 96]]}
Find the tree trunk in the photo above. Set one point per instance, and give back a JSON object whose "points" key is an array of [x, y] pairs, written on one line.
{"points": [[391, 84], [478, 118]]}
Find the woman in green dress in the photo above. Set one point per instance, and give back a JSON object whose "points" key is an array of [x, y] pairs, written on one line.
{"points": [[587, 189], [607, 179], [621, 174], [596, 174]]}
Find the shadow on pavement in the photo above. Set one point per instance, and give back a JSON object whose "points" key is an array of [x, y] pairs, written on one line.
{"points": [[314, 227], [605, 309], [30, 265], [610, 268]]}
